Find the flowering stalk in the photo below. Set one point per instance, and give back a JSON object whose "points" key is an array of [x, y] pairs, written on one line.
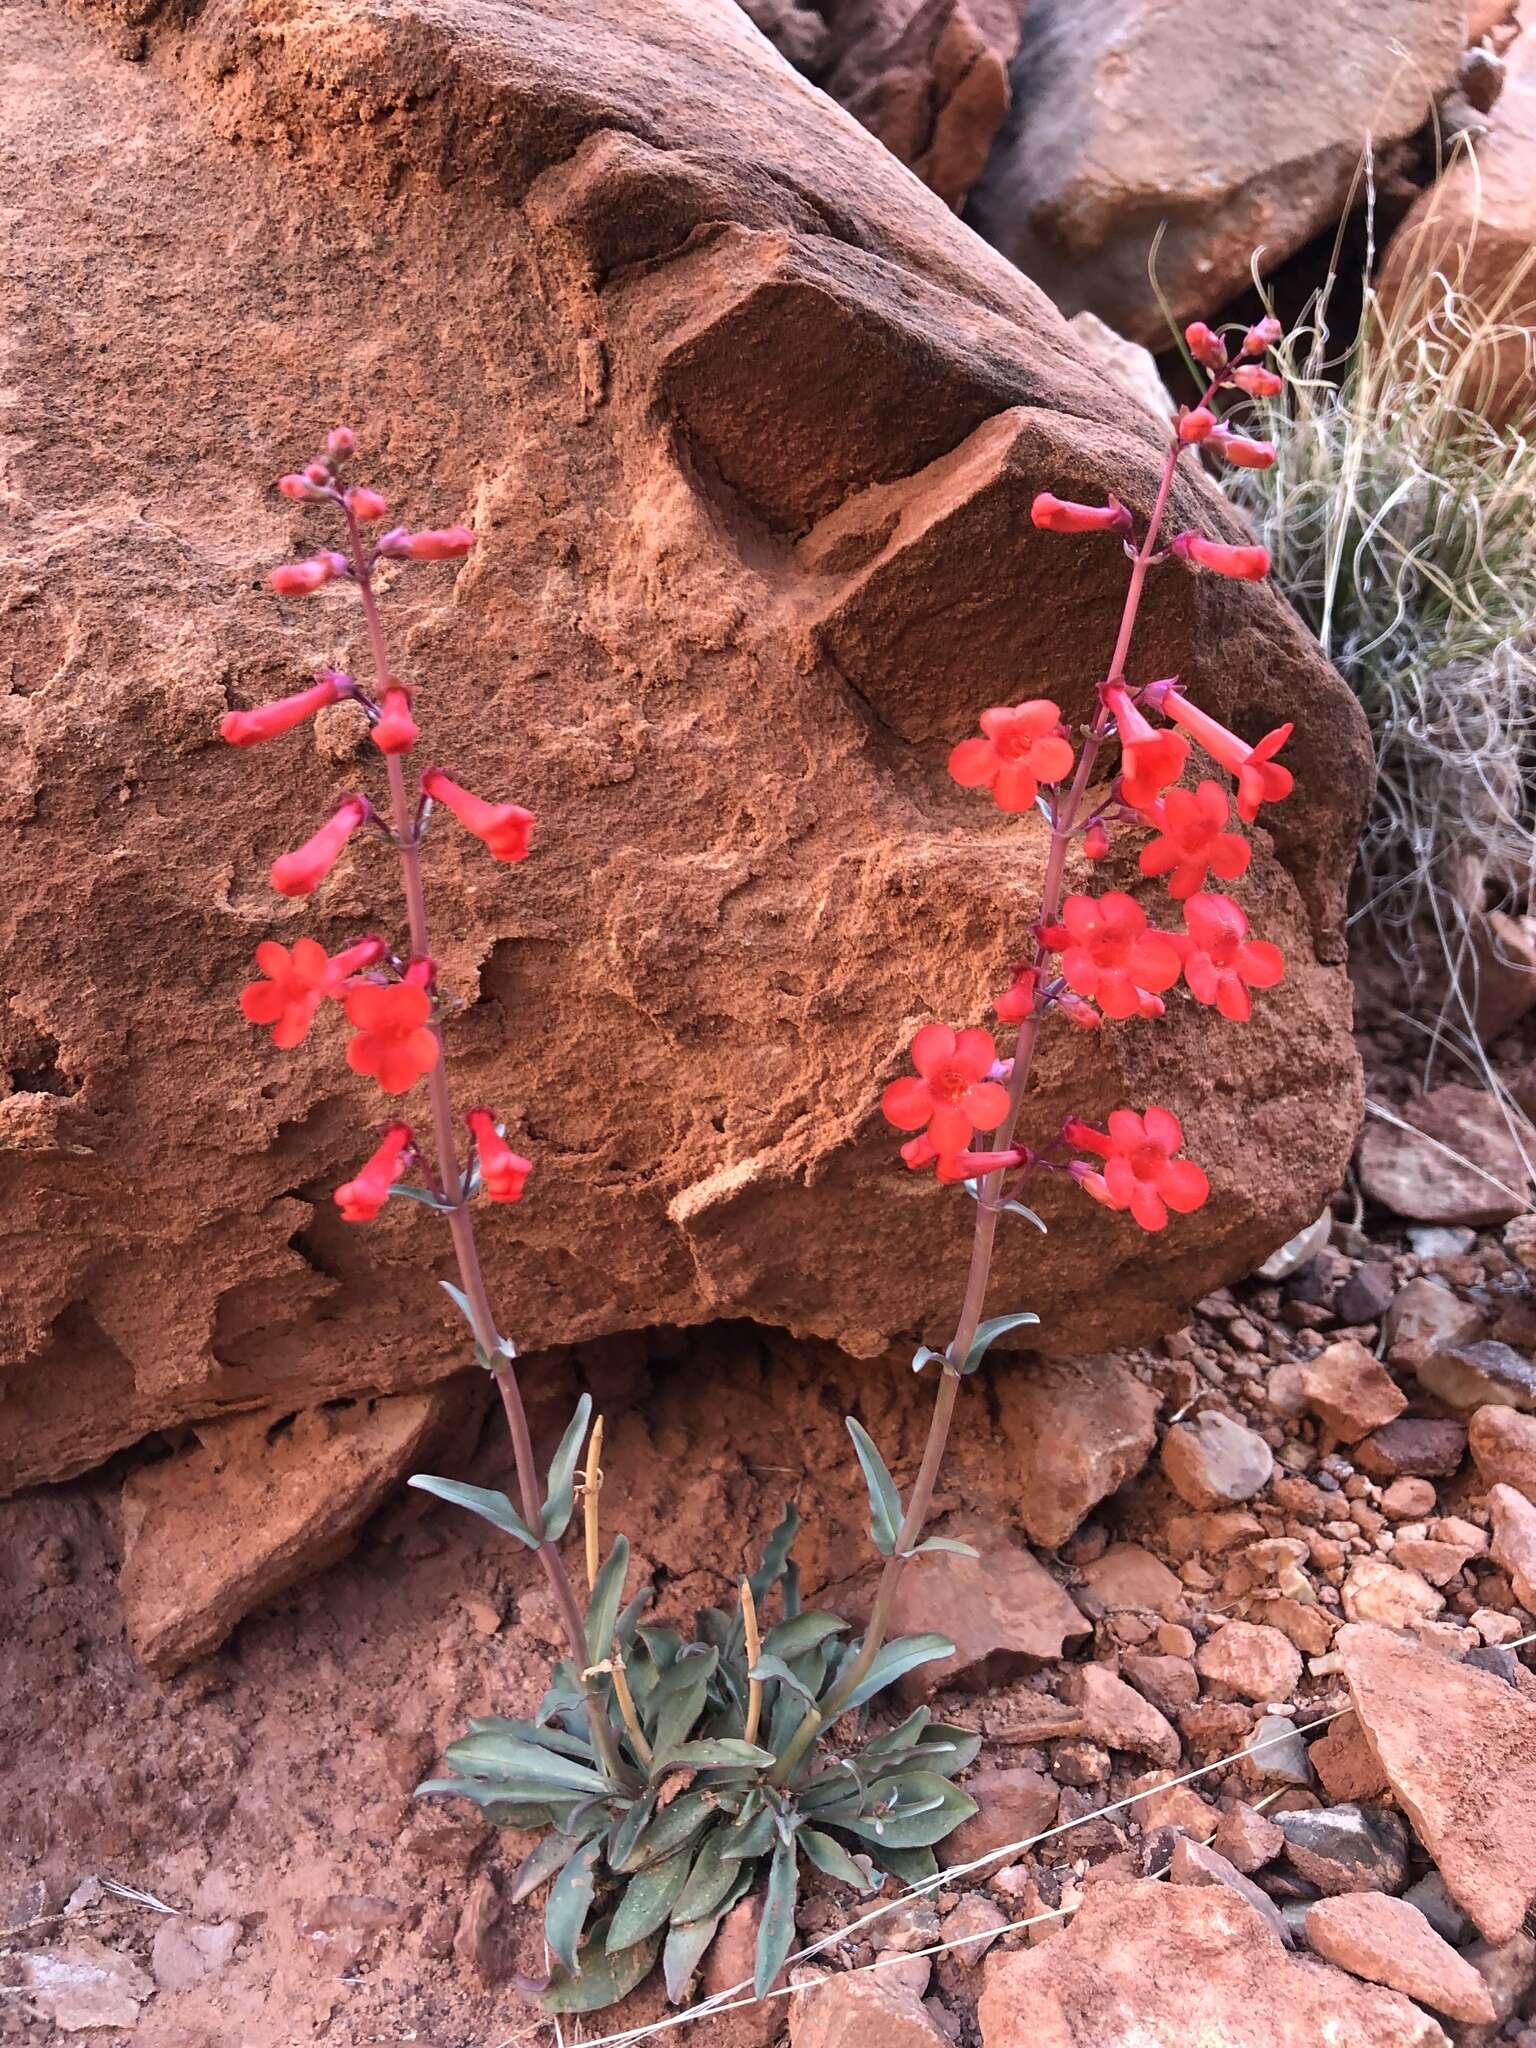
{"points": [[1018, 750]]}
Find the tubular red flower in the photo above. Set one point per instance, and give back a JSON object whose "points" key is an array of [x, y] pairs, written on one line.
{"points": [[299, 872], [395, 731], [361, 1198], [393, 1042], [1194, 841], [1197, 425], [366, 504], [950, 1097], [1150, 758], [1096, 841], [1260, 778], [507, 829], [291, 993], [365, 953], [1257, 381], [266, 721], [300, 579], [1140, 1173], [1221, 963], [1247, 565], [1060, 515], [1243, 453], [1077, 1012], [1020, 746], [503, 1172], [953, 1166], [437, 543], [1018, 999], [1206, 346], [1109, 956]]}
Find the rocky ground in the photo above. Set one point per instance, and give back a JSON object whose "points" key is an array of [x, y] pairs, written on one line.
{"points": [[1299, 1533]]}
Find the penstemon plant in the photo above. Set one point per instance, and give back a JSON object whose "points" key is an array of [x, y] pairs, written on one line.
{"points": [[663, 1771]]}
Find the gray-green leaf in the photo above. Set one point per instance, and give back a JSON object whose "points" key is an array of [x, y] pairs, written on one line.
{"points": [[830, 1856], [900, 1655], [647, 1901], [884, 1500], [570, 1899], [483, 1501], [604, 1979], [603, 1609], [788, 1639], [776, 1936], [561, 1502], [988, 1333]]}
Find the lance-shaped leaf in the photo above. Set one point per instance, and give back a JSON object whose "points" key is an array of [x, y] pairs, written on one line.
{"points": [[506, 1348], [495, 1755], [662, 1833], [604, 1979], [776, 1936], [989, 1332], [719, 1752], [710, 1878], [677, 1704], [892, 1659], [687, 1943], [541, 1864], [884, 1500], [775, 1554], [648, 1899], [768, 1667], [912, 1811], [829, 1855], [933, 1543], [483, 1501], [788, 1639], [561, 1500], [570, 1900], [603, 1608]]}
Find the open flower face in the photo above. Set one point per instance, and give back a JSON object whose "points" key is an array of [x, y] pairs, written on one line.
{"points": [[394, 1042], [1109, 955], [1193, 840], [1140, 1173], [1221, 962], [1020, 746], [950, 1095]]}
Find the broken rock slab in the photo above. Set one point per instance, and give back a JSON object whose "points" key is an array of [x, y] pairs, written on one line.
{"points": [[1077, 1429], [1458, 1747], [1155, 1962], [1513, 1543], [262, 1501], [1387, 1941], [1002, 1610], [1458, 1163]]}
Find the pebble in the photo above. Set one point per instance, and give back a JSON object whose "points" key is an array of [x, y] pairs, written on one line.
{"points": [[1408, 1499], [1195, 1864], [1215, 1462], [1467, 1376], [1348, 1848], [1247, 1838], [1277, 1754], [1252, 1659], [1413, 1447], [1513, 1543], [1503, 1446], [1377, 1591]]}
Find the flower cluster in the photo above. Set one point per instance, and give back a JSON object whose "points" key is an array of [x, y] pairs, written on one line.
{"points": [[389, 997], [1101, 958]]}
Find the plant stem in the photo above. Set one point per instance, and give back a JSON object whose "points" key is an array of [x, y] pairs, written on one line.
{"points": [[1064, 824], [461, 1225]]}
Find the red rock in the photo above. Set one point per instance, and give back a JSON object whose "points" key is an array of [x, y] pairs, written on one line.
{"points": [[1418, 1176], [1171, 1963], [1168, 1682], [1193, 1864], [1377, 1591], [1013, 1805], [864, 2009], [1408, 1500], [1117, 1716], [1387, 1941], [1346, 1765], [1503, 1446], [1003, 1611], [1415, 1445], [1129, 1577], [1514, 1541], [1215, 1461], [1081, 1428], [1247, 1839], [747, 315], [1116, 131], [1350, 1391], [1427, 1314], [1459, 1749], [1251, 1659], [1170, 1805]]}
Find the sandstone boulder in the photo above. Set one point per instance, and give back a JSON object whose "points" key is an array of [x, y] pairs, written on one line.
{"points": [[748, 424]]}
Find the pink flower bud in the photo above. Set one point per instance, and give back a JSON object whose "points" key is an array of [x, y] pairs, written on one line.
{"points": [[303, 870], [1017, 1000], [1059, 515], [1263, 336], [1096, 840], [1197, 425], [366, 504], [1248, 565], [297, 486], [318, 472], [249, 728], [918, 1152], [395, 731], [1149, 1005], [341, 441], [1245, 454], [1077, 1012], [438, 543], [300, 579], [1206, 346], [1257, 381]]}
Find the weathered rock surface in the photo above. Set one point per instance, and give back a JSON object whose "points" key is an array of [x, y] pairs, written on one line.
{"points": [[1002, 1610], [1120, 124], [1514, 1541], [1458, 1746], [1215, 1461], [864, 2010], [616, 286], [1014, 1804], [262, 1501], [1387, 1941], [1251, 1659], [1503, 1446], [1082, 1427], [1350, 1391], [1459, 1163], [1171, 1963]]}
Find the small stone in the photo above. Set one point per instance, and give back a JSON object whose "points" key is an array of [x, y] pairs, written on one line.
{"points": [[1426, 1315], [1350, 1391], [1128, 1576], [861, 2009], [970, 1927], [1194, 1864], [1367, 1293], [1080, 1765], [1297, 1251], [1468, 1376], [83, 1985], [1503, 1445], [1441, 1240], [1248, 1839], [475, 1941], [1214, 1462], [1414, 1447], [1436, 1563], [1080, 1429], [1457, 1162], [1508, 1968], [1277, 1755], [1012, 1805], [1408, 1500], [1346, 1765], [1377, 1591], [1168, 1682], [1252, 1659], [1439, 1908], [1348, 1848], [1494, 1627], [1116, 1715], [183, 1952], [1002, 1610], [1514, 1541], [1387, 1941], [1520, 1240]]}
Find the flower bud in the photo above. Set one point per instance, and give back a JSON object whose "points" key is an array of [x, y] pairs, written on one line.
{"points": [[1196, 425], [503, 1172], [395, 731], [366, 504], [1247, 565], [1058, 515], [438, 543], [507, 829], [1096, 840], [1206, 346], [1077, 1012], [1017, 1001], [297, 486], [918, 1152], [361, 1198], [300, 579], [318, 472], [1257, 381], [1245, 454], [303, 870], [341, 441], [249, 728], [1258, 338]]}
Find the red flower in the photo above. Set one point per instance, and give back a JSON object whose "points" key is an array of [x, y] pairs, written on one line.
{"points": [[394, 1041], [1194, 841], [1018, 999], [249, 728], [1263, 336], [298, 579], [1206, 346], [1059, 515], [1257, 381], [298, 487], [951, 1096], [1260, 779], [1019, 748], [361, 1198], [340, 441], [297, 873], [291, 993], [507, 829], [1243, 453], [366, 504], [1221, 963], [1096, 841], [1197, 426], [503, 1172], [1140, 1172], [1150, 758], [1109, 955], [1248, 565], [437, 543], [953, 1166], [395, 731]]}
